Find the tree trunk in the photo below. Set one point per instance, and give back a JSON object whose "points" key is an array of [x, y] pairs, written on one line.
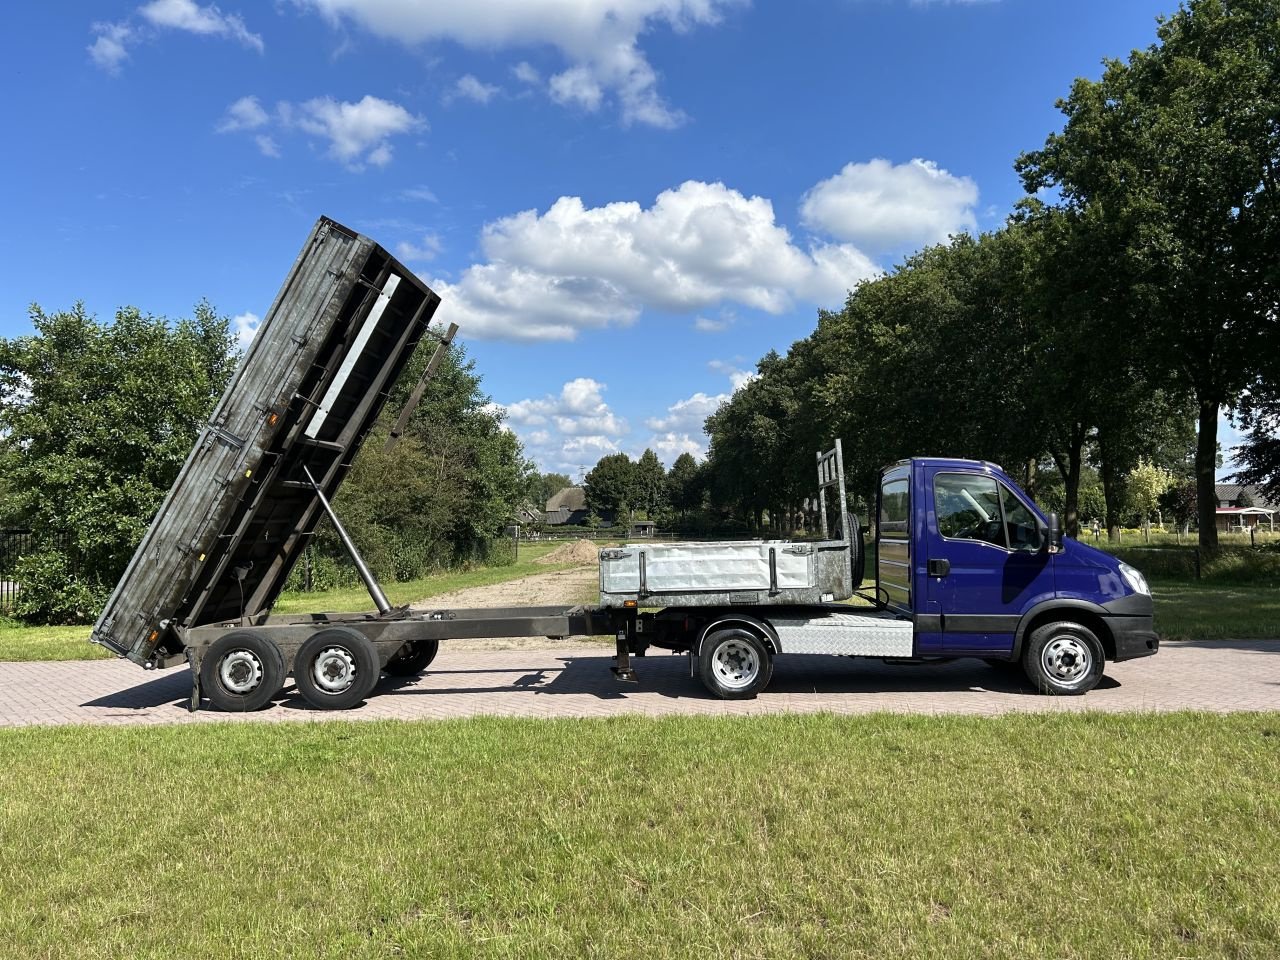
{"points": [[1110, 493], [1069, 468], [1206, 465]]}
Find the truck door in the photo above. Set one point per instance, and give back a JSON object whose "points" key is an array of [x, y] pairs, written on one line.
{"points": [[985, 565]]}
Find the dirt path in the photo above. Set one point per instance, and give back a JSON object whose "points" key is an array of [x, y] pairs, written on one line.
{"points": [[567, 587]]}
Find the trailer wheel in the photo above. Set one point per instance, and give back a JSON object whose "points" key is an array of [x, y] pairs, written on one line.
{"points": [[1063, 658], [414, 657], [242, 672], [735, 664], [336, 669]]}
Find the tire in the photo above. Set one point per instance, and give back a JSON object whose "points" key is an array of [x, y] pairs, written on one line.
{"points": [[735, 664], [336, 669], [242, 671], [1063, 659], [411, 659]]}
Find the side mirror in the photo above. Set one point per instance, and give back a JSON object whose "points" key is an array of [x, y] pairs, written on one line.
{"points": [[1053, 539]]}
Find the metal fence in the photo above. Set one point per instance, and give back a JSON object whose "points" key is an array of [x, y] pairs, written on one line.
{"points": [[14, 544]]}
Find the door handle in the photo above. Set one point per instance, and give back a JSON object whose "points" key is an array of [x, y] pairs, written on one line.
{"points": [[939, 568]]}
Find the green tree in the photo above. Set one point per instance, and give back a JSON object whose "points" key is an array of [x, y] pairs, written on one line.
{"points": [[1177, 148], [684, 486], [444, 493], [544, 486], [610, 487], [650, 483], [96, 419], [1144, 486]]}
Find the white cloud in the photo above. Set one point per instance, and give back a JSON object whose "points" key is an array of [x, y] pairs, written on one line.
{"points": [[245, 114], [688, 416], [429, 249], [245, 328], [358, 133], [111, 49], [701, 244], [469, 87], [738, 378], [424, 194], [882, 207], [193, 18], [577, 87], [710, 325], [267, 145], [599, 41], [526, 73], [568, 430]]}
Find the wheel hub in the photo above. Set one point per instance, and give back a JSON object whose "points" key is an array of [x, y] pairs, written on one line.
{"points": [[736, 664], [240, 671], [1066, 659], [334, 669]]}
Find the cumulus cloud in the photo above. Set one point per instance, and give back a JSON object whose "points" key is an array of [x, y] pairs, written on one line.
{"points": [[110, 47], [428, 249], [471, 88], [245, 114], [526, 73], [358, 133], [712, 325], [680, 430], [571, 430], [245, 328], [599, 41], [550, 275], [193, 18], [883, 207]]}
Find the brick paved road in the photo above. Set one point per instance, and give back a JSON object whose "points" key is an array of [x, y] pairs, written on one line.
{"points": [[571, 681]]}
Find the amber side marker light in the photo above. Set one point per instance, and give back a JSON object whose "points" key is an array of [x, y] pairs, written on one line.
{"points": [[271, 420], [630, 603]]}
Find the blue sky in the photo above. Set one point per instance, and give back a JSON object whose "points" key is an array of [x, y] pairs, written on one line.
{"points": [[624, 203]]}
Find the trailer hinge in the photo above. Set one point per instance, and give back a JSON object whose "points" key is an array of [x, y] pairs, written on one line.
{"points": [[226, 436]]}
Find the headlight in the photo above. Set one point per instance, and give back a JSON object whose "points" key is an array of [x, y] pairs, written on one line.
{"points": [[1134, 578]]}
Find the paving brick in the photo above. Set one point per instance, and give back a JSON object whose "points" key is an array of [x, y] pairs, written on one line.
{"points": [[574, 681]]}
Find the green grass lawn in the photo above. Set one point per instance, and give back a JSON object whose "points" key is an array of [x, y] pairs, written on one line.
{"points": [[20, 642], [1191, 610], [1136, 836]]}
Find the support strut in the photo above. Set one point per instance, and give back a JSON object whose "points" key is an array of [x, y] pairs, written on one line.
{"points": [[621, 668], [366, 575]]}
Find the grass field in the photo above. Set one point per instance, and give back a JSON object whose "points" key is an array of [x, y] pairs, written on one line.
{"points": [[20, 642], [1191, 610], [881, 836]]}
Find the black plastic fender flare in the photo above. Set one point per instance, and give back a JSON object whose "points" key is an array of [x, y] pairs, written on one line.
{"points": [[1066, 606]]}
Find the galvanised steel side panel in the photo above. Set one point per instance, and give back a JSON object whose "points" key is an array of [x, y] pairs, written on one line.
{"points": [[845, 634], [770, 572], [238, 514]]}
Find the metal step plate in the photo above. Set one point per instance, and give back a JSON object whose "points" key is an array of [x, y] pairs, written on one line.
{"points": [[846, 634]]}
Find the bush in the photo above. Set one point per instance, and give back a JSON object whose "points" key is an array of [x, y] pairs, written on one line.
{"points": [[52, 593], [1227, 565]]}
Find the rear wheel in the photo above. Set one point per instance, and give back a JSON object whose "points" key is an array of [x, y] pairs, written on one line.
{"points": [[414, 657], [1063, 658], [735, 664], [242, 671], [336, 669]]}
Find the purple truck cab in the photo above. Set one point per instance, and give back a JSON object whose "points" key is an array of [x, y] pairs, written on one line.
{"points": [[982, 572]]}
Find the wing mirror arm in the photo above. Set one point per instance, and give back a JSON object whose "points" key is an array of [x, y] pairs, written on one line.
{"points": [[1053, 535]]}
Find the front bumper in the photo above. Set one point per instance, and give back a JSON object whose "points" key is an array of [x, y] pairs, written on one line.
{"points": [[1130, 621], [1134, 636]]}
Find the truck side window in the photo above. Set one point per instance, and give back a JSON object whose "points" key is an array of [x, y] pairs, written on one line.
{"points": [[1020, 523], [968, 508], [894, 508]]}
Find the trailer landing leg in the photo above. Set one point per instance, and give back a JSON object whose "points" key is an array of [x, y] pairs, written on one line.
{"points": [[622, 662]]}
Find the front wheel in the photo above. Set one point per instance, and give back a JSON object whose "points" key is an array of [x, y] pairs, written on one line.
{"points": [[1063, 658], [735, 664]]}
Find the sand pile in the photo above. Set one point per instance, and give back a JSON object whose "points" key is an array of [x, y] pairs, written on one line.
{"points": [[579, 551]]}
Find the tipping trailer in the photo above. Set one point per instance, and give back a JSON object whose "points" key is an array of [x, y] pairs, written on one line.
{"points": [[966, 565]]}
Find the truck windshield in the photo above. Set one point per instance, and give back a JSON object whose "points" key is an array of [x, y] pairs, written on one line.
{"points": [[973, 507]]}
